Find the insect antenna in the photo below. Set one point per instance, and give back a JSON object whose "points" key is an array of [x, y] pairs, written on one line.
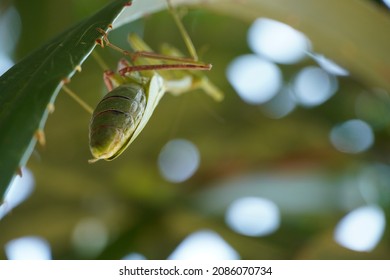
{"points": [[187, 39], [76, 98], [100, 61]]}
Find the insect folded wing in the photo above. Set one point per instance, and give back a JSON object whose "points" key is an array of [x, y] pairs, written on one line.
{"points": [[115, 120], [120, 117], [155, 92]]}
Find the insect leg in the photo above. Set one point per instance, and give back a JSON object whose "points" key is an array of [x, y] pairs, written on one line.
{"points": [[107, 75], [123, 63], [140, 53], [184, 66], [143, 50], [106, 42], [100, 61], [76, 98]]}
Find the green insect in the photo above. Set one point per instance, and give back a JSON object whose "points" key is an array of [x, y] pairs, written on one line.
{"points": [[137, 87], [115, 119]]}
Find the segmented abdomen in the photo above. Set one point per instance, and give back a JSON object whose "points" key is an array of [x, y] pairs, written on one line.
{"points": [[115, 119]]}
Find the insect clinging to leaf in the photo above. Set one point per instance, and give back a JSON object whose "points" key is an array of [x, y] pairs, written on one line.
{"points": [[136, 88]]}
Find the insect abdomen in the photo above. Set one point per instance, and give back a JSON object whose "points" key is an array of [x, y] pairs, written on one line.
{"points": [[115, 119]]}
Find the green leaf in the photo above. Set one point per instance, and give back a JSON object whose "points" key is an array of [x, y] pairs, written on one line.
{"points": [[27, 89]]}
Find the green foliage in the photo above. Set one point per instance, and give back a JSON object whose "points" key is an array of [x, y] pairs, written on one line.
{"points": [[30, 86], [243, 153]]}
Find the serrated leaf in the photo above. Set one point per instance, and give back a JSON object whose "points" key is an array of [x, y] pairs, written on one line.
{"points": [[27, 89]]}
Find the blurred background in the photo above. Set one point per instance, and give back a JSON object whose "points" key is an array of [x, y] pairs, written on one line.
{"points": [[292, 164]]}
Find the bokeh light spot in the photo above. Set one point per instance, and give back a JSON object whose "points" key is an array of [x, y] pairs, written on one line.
{"points": [[329, 65], [19, 190], [90, 236], [277, 41], [134, 256], [361, 229], [353, 136], [313, 86], [255, 79], [5, 63], [280, 105], [28, 248], [253, 216], [178, 160], [204, 245], [10, 27]]}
